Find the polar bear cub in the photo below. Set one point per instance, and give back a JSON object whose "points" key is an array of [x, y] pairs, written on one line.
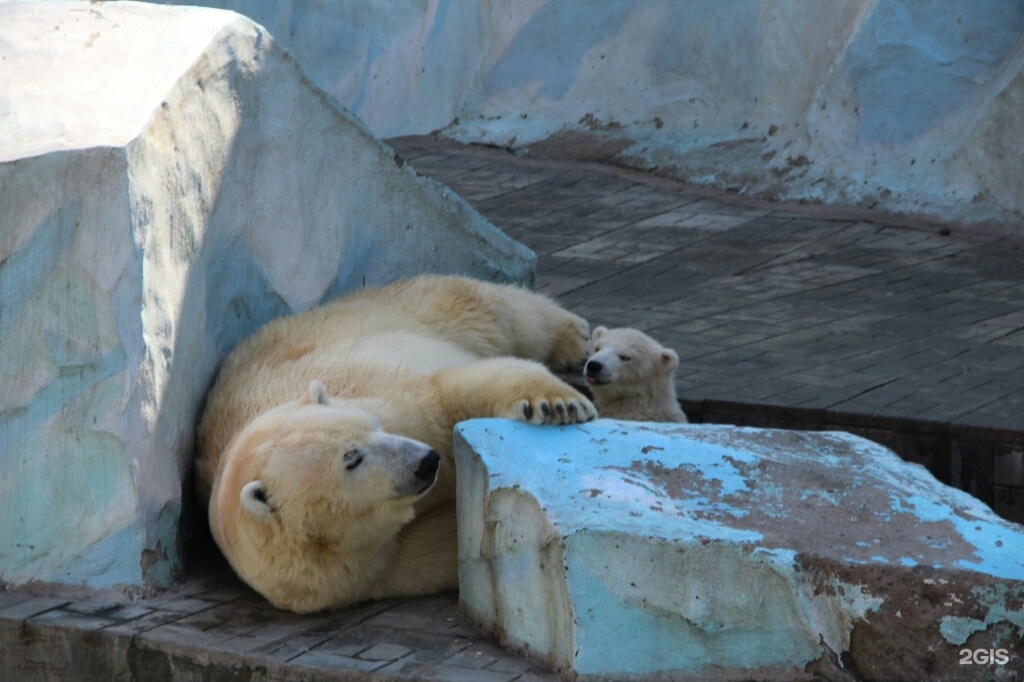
{"points": [[632, 376], [325, 448]]}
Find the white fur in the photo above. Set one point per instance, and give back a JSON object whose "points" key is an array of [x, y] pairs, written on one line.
{"points": [[325, 450]]}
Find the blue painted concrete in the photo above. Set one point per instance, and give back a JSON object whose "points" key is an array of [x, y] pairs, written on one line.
{"points": [[958, 629], [915, 63], [558, 33], [686, 549], [908, 106], [611, 492]]}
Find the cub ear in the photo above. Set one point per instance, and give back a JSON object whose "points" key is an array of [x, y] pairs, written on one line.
{"points": [[669, 359], [254, 499], [317, 394], [597, 332]]}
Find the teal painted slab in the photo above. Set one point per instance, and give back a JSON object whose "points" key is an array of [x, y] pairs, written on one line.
{"points": [[626, 550]]}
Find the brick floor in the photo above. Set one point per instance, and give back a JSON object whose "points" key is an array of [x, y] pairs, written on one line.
{"points": [[213, 627], [782, 315], [859, 316]]}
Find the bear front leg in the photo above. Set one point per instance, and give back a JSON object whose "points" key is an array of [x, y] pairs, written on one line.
{"points": [[513, 389]]}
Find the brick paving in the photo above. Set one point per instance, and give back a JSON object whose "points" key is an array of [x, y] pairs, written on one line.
{"points": [[212, 627], [766, 303], [783, 315]]}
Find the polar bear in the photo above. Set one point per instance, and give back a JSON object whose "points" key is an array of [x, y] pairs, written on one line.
{"points": [[632, 376], [325, 448]]}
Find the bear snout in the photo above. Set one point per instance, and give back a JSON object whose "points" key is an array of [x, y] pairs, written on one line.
{"points": [[428, 467], [593, 372], [425, 474]]}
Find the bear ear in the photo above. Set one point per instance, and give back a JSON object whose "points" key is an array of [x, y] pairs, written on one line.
{"points": [[317, 394], [669, 359], [254, 499], [597, 332]]}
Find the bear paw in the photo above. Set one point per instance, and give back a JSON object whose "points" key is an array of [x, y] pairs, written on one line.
{"points": [[571, 347], [555, 409]]}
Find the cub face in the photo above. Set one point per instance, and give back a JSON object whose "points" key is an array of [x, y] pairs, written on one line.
{"points": [[627, 357], [310, 485]]}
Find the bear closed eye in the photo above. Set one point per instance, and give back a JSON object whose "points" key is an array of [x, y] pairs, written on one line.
{"points": [[353, 458]]}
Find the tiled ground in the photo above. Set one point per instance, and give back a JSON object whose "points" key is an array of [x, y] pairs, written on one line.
{"points": [[802, 315], [767, 304], [211, 627], [783, 315]]}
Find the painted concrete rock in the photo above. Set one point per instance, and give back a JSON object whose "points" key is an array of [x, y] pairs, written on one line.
{"points": [[169, 181], [626, 550], [908, 106]]}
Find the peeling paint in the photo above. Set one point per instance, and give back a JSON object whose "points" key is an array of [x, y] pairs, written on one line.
{"points": [[836, 606], [709, 550], [1000, 606]]}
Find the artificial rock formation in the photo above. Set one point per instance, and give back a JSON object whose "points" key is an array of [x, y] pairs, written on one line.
{"points": [[628, 550], [169, 181], [910, 107]]}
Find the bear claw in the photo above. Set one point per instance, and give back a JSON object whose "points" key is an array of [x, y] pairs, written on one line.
{"points": [[553, 411]]}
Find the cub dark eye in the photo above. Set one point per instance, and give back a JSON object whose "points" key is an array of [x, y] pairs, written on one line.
{"points": [[352, 458], [625, 358]]}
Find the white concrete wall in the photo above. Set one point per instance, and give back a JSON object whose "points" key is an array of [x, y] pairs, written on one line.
{"points": [[910, 107], [169, 181]]}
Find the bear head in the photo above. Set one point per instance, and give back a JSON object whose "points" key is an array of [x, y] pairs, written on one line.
{"points": [[311, 496], [624, 360]]}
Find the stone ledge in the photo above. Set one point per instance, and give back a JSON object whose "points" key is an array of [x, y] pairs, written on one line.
{"points": [[629, 550]]}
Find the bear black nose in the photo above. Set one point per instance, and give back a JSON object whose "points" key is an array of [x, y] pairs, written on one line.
{"points": [[593, 367], [428, 466]]}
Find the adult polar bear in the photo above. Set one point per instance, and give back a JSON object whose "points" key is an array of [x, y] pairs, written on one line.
{"points": [[325, 449]]}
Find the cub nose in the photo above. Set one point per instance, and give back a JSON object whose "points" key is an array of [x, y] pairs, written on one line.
{"points": [[593, 367], [428, 466]]}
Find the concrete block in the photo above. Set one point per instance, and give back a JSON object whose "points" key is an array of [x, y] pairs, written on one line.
{"points": [[641, 551], [170, 180]]}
